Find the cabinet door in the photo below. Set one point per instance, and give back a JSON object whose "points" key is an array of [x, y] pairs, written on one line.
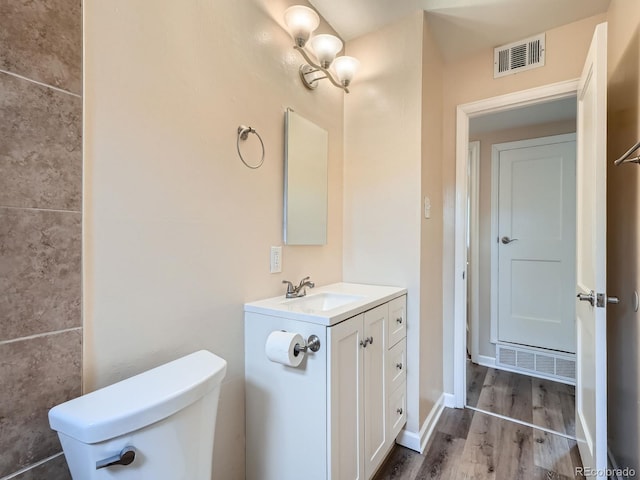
{"points": [[345, 400], [375, 427], [397, 320]]}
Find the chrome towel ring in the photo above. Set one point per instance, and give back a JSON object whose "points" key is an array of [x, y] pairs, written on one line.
{"points": [[243, 134]]}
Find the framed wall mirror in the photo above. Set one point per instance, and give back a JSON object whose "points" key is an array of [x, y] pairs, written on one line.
{"points": [[305, 181]]}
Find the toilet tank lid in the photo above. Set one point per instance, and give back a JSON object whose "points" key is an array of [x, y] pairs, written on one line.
{"points": [[139, 401]]}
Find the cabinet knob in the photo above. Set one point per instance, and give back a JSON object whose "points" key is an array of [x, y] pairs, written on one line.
{"points": [[400, 411], [399, 320], [399, 366]]}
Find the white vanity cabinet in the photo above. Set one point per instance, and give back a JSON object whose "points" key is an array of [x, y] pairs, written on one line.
{"points": [[337, 415]]}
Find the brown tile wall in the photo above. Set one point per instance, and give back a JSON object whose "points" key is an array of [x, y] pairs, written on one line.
{"points": [[40, 229]]}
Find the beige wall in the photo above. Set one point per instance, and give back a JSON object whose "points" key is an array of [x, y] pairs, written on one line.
{"points": [[623, 231], [431, 381], [472, 79], [393, 149], [176, 229], [487, 140], [382, 172]]}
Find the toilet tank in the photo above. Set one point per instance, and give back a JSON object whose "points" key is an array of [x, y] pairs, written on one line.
{"points": [[167, 415]]}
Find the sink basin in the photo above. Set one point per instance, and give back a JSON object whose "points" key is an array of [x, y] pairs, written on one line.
{"points": [[321, 302], [326, 305]]}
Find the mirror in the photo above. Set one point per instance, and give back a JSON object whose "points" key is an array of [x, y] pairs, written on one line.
{"points": [[305, 181]]}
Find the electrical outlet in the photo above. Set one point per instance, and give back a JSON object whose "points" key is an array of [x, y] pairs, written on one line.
{"points": [[276, 260]]}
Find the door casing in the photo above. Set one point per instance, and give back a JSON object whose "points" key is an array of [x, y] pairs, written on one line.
{"points": [[464, 112]]}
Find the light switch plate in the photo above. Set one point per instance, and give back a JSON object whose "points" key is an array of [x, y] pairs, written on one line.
{"points": [[427, 207], [276, 260]]}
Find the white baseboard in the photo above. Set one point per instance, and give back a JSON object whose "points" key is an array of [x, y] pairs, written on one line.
{"points": [[418, 440], [486, 361], [449, 400]]}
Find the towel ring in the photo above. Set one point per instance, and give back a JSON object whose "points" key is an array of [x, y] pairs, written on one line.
{"points": [[243, 134]]}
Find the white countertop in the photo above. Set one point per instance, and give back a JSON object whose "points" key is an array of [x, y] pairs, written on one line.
{"points": [[317, 306]]}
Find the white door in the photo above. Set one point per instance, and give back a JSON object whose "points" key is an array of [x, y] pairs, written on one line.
{"points": [[591, 315], [536, 242]]}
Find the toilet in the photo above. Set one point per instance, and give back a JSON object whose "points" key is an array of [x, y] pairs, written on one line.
{"points": [[158, 425]]}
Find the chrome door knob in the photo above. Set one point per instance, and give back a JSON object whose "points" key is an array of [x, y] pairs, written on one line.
{"points": [[590, 297], [507, 240]]}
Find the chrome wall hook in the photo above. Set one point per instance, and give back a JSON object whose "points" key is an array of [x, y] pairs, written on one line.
{"points": [[626, 158]]}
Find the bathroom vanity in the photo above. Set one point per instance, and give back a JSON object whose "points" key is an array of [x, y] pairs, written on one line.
{"points": [[337, 414]]}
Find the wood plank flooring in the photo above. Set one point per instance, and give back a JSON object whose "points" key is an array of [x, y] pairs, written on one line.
{"points": [[469, 445], [543, 403]]}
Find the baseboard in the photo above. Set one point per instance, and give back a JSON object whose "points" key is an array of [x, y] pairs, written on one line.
{"points": [[449, 400], [418, 440], [486, 361]]}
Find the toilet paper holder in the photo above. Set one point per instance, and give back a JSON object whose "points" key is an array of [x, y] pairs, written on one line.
{"points": [[313, 344]]}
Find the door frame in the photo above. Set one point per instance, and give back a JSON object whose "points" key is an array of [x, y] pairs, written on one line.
{"points": [[464, 112]]}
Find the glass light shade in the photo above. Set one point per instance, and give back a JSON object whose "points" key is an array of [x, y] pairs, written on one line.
{"points": [[301, 22], [326, 47], [346, 68]]}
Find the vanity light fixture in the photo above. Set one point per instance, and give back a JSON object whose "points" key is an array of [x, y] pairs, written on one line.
{"points": [[301, 22]]}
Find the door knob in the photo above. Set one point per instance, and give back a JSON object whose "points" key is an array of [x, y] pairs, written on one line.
{"points": [[399, 411], [507, 240], [399, 320], [590, 297], [399, 366]]}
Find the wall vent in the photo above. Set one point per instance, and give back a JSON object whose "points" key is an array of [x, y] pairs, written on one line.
{"points": [[519, 56], [537, 362]]}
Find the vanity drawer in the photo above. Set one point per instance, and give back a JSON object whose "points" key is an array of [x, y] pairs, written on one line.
{"points": [[397, 324], [397, 365], [397, 410]]}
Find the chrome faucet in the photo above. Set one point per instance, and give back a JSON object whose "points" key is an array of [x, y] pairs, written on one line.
{"points": [[300, 290]]}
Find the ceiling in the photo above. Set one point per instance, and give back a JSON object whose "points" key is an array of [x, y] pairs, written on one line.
{"points": [[537, 114], [460, 27]]}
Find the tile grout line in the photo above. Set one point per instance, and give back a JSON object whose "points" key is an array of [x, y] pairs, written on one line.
{"points": [[30, 467], [39, 210], [520, 422], [57, 89], [38, 335]]}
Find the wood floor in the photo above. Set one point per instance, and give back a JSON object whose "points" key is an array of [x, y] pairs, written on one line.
{"points": [[472, 445], [540, 402]]}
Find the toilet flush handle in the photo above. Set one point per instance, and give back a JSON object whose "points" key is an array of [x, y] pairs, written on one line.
{"points": [[126, 456]]}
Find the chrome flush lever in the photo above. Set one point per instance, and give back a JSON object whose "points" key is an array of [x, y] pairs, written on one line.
{"points": [[126, 456]]}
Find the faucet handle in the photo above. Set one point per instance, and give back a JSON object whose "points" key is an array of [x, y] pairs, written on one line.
{"points": [[302, 281], [290, 287]]}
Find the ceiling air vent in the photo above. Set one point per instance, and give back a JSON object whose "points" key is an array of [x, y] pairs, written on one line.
{"points": [[519, 56]]}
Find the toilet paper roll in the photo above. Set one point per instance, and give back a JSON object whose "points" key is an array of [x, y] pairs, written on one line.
{"points": [[280, 348]]}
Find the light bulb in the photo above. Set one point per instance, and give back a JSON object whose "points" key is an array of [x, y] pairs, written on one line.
{"points": [[326, 47], [346, 68], [301, 22]]}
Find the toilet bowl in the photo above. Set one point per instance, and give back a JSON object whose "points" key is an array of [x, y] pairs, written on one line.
{"points": [[158, 425]]}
